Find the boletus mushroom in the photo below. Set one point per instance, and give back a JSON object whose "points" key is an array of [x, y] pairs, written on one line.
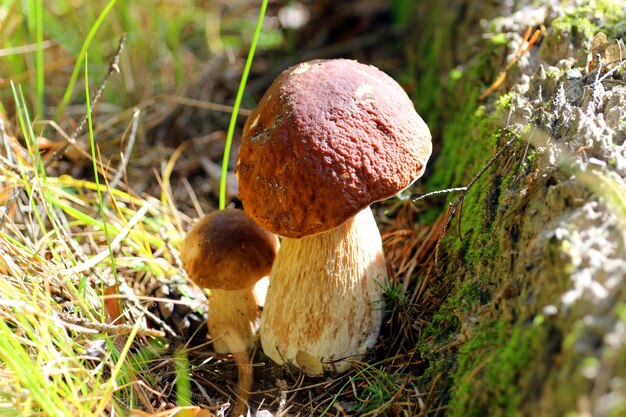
{"points": [[227, 252], [327, 139]]}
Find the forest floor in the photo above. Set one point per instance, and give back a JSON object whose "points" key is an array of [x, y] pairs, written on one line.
{"points": [[97, 315], [114, 120]]}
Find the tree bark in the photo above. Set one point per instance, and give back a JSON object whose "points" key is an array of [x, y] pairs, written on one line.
{"points": [[536, 321]]}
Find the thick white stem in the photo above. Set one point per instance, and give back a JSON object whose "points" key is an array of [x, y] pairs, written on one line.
{"points": [[233, 320], [324, 303]]}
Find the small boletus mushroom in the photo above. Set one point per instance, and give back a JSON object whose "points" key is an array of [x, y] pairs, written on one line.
{"points": [[227, 252], [328, 138]]}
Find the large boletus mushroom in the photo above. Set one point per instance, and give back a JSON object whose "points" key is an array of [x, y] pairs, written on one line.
{"points": [[328, 138], [228, 253]]}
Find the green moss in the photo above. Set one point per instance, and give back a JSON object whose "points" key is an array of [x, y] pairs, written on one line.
{"points": [[574, 24], [480, 349], [469, 137], [571, 33], [499, 39], [553, 73], [504, 101], [587, 20], [465, 140], [455, 74], [490, 369], [481, 366], [444, 331], [472, 236], [464, 300]]}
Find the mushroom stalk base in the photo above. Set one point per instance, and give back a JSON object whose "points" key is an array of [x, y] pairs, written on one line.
{"points": [[324, 304], [233, 319]]}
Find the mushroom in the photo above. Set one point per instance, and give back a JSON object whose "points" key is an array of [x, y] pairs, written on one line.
{"points": [[228, 252], [328, 138]]}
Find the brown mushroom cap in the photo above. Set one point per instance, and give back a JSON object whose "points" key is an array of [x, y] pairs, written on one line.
{"points": [[227, 250], [328, 138]]}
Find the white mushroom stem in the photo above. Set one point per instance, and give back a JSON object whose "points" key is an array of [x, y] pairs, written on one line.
{"points": [[324, 303], [233, 320]]}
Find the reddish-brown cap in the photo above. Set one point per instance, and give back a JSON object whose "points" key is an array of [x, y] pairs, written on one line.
{"points": [[328, 138], [227, 250]]}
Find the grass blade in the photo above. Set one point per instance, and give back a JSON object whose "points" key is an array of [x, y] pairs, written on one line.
{"points": [[233, 117], [94, 161], [82, 55]]}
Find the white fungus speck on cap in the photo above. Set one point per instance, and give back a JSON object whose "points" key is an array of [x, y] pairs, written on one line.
{"points": [[301, 69], [364, 89]]}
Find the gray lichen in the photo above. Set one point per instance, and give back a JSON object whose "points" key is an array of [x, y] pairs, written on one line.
{"points": [[545, 240]]}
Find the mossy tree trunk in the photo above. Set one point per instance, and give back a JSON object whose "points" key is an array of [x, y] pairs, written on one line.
{"points": [[535, 323]]}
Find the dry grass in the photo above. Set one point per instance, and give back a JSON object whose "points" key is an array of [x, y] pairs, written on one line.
{"points": [[62, 282], [96, 314], [86, 315]]}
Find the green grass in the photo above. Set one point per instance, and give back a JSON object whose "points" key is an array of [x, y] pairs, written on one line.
{"points": [[42, 362], [170, 41], [67, 243], [94, 160], [233, 117], [377, 384], [82, 57]]}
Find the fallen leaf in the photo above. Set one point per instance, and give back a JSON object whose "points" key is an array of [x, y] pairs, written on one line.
{"points": [[191, 411], [610, 52], [112, 305]]}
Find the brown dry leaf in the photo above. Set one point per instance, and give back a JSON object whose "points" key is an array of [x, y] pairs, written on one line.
{"points": [[5, 194], [112, 308], [175, 412], [610, 52], [113, 313], [47, 147]]}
